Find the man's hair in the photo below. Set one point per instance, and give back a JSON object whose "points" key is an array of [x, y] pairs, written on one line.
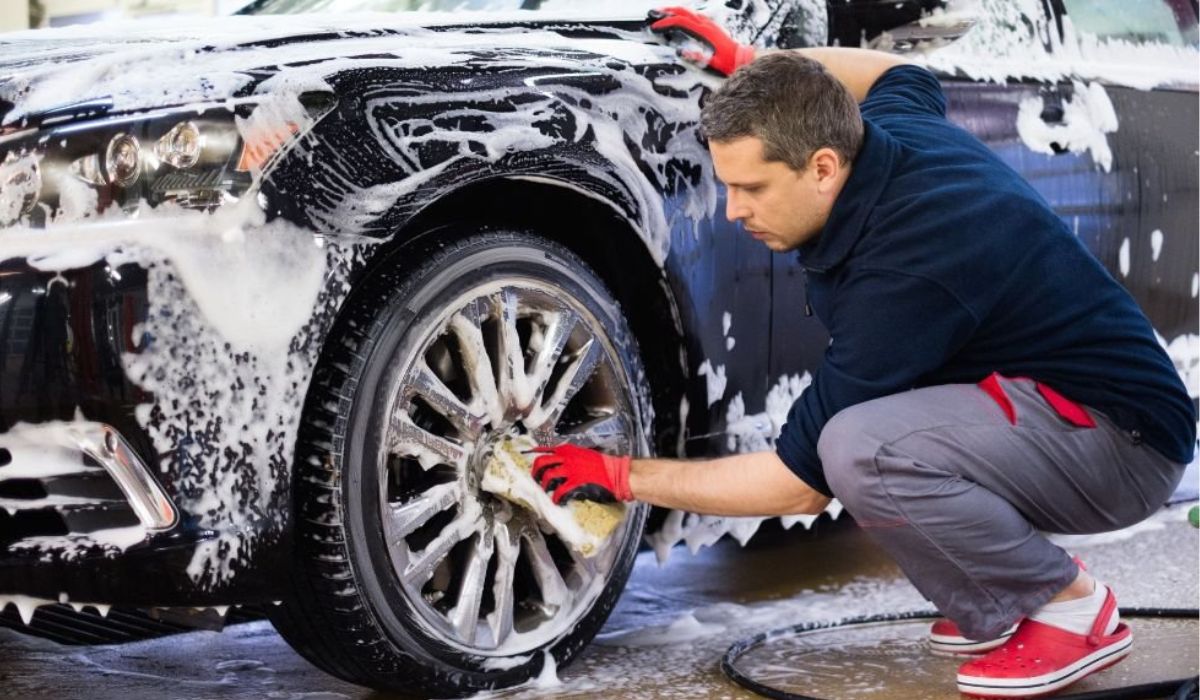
{"points": [[790, 103]]}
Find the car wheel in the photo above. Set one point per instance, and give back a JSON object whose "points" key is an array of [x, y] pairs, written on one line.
{"points": [[408, 576]]}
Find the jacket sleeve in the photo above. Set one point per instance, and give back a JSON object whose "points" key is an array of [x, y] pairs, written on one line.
{"points": [[905, 90], [888, 329]]}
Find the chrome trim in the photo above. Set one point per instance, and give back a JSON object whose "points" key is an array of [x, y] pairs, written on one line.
{"points": [[151, 505]]}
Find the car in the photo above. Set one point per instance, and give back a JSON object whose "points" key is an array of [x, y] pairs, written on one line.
{"points": [[273, 288]]}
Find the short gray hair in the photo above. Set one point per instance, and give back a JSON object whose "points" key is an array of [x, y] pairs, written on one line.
{"points": [[790, 103]]}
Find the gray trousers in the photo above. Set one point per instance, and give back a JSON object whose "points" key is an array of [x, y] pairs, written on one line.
{"points": [[957, 494]]}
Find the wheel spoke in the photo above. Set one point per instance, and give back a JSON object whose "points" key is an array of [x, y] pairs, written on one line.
{"points": [[611, 432], [508, 548], [550, 581], [484, 395], [405, 519], [545, 417], [587, 566], [430, 387], [513, 385], [421, 567], [558, 331], [465, 615], [412, 441]]}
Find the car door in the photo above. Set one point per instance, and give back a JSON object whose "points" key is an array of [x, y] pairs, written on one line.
{"points": [[1142, 223], [1111, 144], [1114, 153], [728, 279]]}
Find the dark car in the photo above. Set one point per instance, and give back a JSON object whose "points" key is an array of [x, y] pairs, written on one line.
{"points": [[273, 288]]}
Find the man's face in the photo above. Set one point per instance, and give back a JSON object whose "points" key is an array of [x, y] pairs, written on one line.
{"points": [[779, 206]]}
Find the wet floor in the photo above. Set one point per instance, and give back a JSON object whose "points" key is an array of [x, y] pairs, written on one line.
{"points": [[671, 628]]}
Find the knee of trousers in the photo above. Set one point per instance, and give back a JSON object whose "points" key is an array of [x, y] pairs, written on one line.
{"points": [[847, 448]]}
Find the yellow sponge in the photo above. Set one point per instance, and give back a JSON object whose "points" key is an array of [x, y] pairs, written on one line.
{"points": [[583, 525]]}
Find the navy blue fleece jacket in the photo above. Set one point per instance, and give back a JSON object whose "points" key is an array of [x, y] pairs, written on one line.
{"points": [[939, 264]]}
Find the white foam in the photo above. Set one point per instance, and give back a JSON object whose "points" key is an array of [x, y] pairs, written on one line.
{"points": [[715, 381], [25, 605], [42, 450], [548, 678], [1088, 117], [1184, 352], [745, 433], [683, 630], [1013, 39]]}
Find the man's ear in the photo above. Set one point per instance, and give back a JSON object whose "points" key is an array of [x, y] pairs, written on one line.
{"points": [[826, 166]]}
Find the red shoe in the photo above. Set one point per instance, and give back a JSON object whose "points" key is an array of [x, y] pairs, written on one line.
{"points": [[945, 639], [1041, 659]]}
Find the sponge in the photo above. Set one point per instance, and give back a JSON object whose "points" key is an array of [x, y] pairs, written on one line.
{"points": [[585, 526]]}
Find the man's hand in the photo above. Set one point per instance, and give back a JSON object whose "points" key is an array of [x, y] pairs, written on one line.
{"points": [[727, 54], [568, 472]]}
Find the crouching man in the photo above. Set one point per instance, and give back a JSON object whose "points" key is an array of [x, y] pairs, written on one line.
{"points": [[987, 378]]}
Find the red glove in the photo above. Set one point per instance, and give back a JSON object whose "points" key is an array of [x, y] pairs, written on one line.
{"points": [[728, 55], [569, 471]]}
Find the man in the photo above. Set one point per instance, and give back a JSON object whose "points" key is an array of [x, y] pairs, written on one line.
{"points": [[986, 379]]}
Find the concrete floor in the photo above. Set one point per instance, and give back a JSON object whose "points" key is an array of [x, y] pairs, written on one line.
{"points": [[667, 635]]}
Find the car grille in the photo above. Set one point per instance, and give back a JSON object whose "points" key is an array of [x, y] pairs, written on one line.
{"points": [[68, 503]]}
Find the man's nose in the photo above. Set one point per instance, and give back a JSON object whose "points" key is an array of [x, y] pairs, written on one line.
{"points": [[734, 210]]}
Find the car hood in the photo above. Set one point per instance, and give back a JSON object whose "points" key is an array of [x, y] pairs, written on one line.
{"points": [[137, 65]]}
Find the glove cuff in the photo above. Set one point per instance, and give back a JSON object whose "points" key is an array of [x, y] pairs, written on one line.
{"points": [[745, 54], [618, 475]]}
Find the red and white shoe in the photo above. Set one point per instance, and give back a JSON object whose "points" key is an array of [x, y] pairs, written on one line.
{"points": [[945, 639], [1040, 659]]}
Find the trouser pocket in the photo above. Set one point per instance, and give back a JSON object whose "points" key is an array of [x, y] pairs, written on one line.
{"points": [[1074, 413]]}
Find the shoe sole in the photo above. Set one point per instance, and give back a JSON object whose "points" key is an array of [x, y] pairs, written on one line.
{"points": [[940, 645], [1037, 686]]}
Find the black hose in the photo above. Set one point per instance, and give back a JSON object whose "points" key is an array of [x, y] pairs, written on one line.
{"points": [[1189, 690], [1179, 689]]}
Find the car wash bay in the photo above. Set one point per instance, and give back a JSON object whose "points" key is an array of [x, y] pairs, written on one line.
{"points": [[670, 629]]}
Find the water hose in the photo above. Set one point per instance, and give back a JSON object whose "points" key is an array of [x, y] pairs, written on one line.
{"points": [[1178, 689]]}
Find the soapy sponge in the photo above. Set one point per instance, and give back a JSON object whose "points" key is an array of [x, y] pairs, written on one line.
{"points": [[583, 525]]}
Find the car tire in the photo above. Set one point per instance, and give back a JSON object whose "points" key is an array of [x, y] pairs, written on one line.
{"points": [[369, 601]]}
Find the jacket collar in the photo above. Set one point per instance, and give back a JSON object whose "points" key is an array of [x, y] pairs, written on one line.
{"points": [[869, 174]]}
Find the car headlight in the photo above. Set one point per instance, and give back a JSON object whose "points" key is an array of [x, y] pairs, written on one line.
{"points": [[201, 159], [194, 162]]}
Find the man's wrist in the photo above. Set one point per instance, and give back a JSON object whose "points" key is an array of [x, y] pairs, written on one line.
{"points": [[618, 468]]}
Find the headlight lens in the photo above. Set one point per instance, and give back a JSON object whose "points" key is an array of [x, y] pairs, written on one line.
{"points": [[123, 160], [180, 147]]}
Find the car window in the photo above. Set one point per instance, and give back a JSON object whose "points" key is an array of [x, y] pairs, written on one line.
{"points": [[1170, 22]]}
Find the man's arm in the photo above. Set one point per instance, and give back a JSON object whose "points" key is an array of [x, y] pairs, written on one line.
{"points": [[756, 483], [857, 69]]}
